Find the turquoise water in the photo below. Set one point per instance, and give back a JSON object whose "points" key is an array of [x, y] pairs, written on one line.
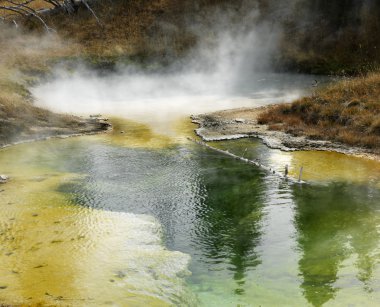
{"points": [[253, 239], [142, 217]]}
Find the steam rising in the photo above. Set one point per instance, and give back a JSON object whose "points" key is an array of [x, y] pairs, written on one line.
{"points": [[229, 68]]}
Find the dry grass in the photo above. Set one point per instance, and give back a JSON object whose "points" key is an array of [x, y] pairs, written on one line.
{"points": [[20, 54], [18, 116], [347, 111], [36, 4], [134, 29], [142, 28], [139, 29], [129, 28], [29, 52], [159, 28], [327, 37]]}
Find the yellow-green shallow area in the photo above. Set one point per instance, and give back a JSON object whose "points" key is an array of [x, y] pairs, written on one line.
{"points": [[136, 218], [56, 253], [140, 216]]}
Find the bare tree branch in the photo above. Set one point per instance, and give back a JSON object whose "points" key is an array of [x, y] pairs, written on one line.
{"points": [[92, 11], [53, 3], [25, 9], [28, 10]]}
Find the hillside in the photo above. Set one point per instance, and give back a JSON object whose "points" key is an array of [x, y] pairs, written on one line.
{"points": [[316, 36], [331, 37], [25, 59], [324, 37]]}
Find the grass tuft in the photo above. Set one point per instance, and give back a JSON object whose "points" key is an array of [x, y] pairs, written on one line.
{"points": [[347, 111]]}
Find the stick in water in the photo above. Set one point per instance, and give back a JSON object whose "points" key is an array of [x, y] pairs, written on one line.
{"points": [[245, 151], [301, 171]]}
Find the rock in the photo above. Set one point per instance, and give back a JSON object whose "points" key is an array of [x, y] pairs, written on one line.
{"points": [[4, 179], [240, 120], [120, 274], [39, 267], [38, 179]]}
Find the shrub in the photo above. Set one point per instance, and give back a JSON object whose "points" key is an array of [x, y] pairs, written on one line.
{"points": [[347, 111]]}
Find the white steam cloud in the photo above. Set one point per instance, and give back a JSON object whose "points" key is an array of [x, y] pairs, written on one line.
{"points": [[229, 68]]}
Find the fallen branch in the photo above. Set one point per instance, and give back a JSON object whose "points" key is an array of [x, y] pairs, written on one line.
{"points": [[25, 9], [256, 163], [92, 11]]}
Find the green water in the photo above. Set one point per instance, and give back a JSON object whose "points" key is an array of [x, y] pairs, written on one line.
{"points": [[113, 220]]}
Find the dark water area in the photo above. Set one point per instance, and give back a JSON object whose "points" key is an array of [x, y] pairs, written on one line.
{"points": [[253, 238]]}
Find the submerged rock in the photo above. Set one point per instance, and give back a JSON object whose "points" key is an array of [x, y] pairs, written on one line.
{"points": [[4, 179], [95, 115]]}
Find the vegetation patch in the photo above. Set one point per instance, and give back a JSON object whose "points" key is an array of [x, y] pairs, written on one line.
{"points": [[347, 111], [316, 37]]}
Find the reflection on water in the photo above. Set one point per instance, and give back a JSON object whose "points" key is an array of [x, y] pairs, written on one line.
{"points": [[252, 238], [337, 230], [228, 229], [114, 219], [318, 166], [54, 253]]}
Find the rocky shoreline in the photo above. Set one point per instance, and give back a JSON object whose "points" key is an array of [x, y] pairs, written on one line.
{"points": [[242, 123], [89, 126]]}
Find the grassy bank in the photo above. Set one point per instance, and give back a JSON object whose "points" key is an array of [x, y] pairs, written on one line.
{"points": [[20, 120], [136, 32], [320, 37], [159, 32], [26, 58], [347, 111], [331, 37], [149, 33]]}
